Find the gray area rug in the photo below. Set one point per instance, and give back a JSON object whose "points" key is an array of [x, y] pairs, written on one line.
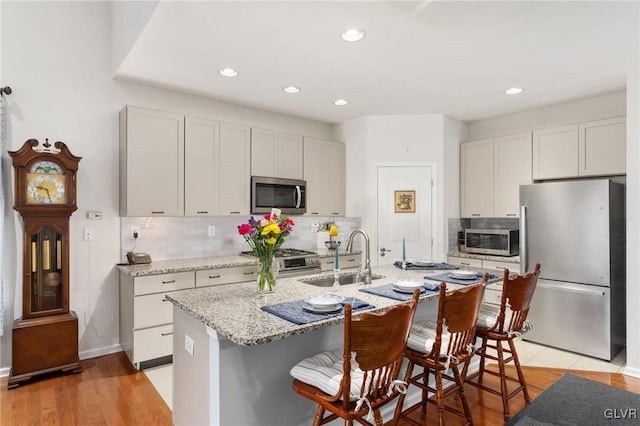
{"points": [[573, 400]]}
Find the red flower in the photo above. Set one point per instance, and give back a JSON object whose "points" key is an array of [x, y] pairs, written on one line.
{"points": [[244, 229]]}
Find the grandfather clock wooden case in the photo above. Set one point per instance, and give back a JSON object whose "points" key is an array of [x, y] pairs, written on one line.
{"points": [[45, 338]]}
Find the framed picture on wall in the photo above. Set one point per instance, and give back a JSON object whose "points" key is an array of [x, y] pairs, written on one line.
{"points": [[404, 201]]}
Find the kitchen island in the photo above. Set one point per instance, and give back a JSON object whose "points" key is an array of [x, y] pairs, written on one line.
{"points": [[231, 360]]}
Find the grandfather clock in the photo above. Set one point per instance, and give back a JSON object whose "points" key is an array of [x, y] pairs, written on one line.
{"points": [[45, 338]]}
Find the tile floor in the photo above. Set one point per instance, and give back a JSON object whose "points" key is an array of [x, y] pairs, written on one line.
{"points": [[530, 354]]}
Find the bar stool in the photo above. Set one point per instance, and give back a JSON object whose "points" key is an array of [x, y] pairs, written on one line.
{"points": [[440, 346], [355, 381], [503, 324]]}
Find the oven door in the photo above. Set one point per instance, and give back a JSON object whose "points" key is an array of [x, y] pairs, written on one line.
{"points": [[288, 195]]}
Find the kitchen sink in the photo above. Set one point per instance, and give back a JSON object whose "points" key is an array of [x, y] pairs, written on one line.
{"points": [[343, 279]]}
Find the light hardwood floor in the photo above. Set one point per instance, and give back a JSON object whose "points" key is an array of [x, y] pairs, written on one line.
{"points": [[110, 392]]}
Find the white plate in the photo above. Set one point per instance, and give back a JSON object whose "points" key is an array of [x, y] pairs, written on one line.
{"points": [[423, 262], [322, 309], [323, 300], [402, 289], [407, 285], [464, 275]]}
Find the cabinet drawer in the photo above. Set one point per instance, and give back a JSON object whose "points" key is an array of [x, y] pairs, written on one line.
{"points": [[163, 283], [464, 262], [209, 277], [492, 296], [152, 343], [497, 266], [151, 310], [346, 261]]}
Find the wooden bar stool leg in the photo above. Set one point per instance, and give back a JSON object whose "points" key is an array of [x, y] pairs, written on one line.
{"points": [[503, 380], [319, 415], [463, 398], [440, 398], [483, 353], [516, 361], [407, 378]]}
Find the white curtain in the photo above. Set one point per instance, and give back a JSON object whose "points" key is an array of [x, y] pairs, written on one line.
{"points": [[2, 149]]}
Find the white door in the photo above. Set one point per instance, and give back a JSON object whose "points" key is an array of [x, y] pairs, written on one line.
{"points": [[405, 211]]}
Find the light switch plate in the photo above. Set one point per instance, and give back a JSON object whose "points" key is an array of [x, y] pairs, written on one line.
{"points": [[87, 234], [211, 231], [188, 344]]}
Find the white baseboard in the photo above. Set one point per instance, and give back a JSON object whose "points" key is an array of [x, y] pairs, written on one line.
{"points": [[633, 372], [107, 350]]}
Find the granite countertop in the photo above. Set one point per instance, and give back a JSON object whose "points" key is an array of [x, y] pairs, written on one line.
{"points": [[507, 259], [233, 311]]}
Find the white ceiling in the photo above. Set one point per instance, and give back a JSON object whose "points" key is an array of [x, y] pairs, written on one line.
{"points": [[449, 57]]}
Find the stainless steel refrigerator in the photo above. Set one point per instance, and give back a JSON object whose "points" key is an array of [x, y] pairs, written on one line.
{"points": [[576, 231]]}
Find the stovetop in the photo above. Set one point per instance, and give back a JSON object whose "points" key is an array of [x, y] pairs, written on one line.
{"points": [[287, 252]]}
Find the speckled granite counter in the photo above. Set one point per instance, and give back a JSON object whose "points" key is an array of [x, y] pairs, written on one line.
{"points": [[507, 259], [233, 311], [185, 265]]}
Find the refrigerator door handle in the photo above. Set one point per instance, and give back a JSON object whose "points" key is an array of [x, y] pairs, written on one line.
{"points": [[524, 255], [572, 289]]}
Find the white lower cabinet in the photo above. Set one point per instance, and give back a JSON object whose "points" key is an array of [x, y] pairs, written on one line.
{"points": [[146, 318], [464, 262], [219, 276], [493, 292], [347, 261]]}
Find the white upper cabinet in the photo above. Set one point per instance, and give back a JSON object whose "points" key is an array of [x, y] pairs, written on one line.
{"points": [[201, 181], [512, 168], [275, 154], [324, 172], [555, 153], [476, 178], [235, 169], [602, 147], [151, 163]]}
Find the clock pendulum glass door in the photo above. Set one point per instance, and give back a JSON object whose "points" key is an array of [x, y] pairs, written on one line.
{"points": [[46, 270]]}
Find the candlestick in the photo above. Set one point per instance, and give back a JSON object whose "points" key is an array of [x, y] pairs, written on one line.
{"points": [[336, 263], [404, 257]]}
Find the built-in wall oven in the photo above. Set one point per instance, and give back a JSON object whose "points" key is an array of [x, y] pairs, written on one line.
{"points": [[288, 195]]}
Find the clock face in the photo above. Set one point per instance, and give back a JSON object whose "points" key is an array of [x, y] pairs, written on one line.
{"points": [[45, 188]]}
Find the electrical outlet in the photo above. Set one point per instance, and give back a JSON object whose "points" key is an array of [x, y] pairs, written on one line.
{"points": [[188, 344], [87, 234], [315, 227], [211, 230], [135, 232]]}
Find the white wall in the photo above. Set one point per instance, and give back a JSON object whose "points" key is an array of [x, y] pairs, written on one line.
{"points": [[56, 56], [374, 140]]}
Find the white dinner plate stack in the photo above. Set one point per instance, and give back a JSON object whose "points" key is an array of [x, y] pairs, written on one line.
{"points": [[406, 286], [464, 275], [323, 303], [423, 262]]}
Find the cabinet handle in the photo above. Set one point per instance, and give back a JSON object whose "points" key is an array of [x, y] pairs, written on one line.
{"points": [[465, 264], [157, 212], [248, 273], [512, 214], [335, 213], [314, 212], [169, 282], [203, 212], [475, 214], [214, 276], [351, 260], [168, 333], [234, 212]]}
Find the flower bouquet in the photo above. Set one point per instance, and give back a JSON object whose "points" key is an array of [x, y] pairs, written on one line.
{"points": [[265, 236]]}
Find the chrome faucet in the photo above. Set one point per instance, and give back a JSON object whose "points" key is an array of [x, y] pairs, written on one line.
{"points": [[367, 261]]}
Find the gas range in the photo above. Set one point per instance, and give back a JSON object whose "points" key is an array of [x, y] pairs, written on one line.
{"points": [[294, 261]]}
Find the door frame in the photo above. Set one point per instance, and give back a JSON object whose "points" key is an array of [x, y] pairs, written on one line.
{"points": [[373, 209]]}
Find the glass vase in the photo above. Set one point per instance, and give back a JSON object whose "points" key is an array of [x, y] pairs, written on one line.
{"points": [[267, 273]]}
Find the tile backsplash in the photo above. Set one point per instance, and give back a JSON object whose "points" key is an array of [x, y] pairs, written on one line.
{"points": [[188, 237]]}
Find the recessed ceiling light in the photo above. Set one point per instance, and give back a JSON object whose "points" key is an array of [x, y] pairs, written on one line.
{"points": [[514, 91], [228, 72], [340, 102], [352, 34], [292, 89]]}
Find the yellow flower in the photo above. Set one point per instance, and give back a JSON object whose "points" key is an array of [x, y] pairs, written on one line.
{"points": [[272, 227], [272, 241]]}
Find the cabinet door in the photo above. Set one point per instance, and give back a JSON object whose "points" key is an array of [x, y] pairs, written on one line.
{"points": [[237, 274], [201, 161], [152, 163], [290, 156], [555, 153], [313, 175], [333, 179], [464, 262], [602, 147], [512, 168], [476, 178], [264, 153], [235, 169]]}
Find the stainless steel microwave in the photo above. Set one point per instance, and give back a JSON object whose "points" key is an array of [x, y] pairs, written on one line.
{"points": [[288, 195], [498, 242]]}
